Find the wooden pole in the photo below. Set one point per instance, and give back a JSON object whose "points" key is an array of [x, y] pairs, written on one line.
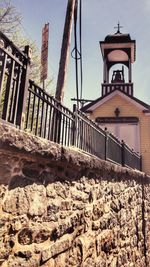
{"points": [[64, 58]]}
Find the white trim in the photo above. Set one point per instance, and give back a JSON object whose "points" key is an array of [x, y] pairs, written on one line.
{"points": [[130, 45], [114, 93], [118, 45]]}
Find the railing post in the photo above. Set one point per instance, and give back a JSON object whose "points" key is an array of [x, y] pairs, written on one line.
{"points": [[106, 143], [140, 163], [57, 122], [74, 124], [123, 153], [20, 118], [133, 159]]}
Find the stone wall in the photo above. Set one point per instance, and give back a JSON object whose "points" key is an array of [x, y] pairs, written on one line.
{"points": [[62, 208]]}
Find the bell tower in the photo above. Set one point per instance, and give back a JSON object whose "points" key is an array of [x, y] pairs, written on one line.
{"points": [[117, 48]]}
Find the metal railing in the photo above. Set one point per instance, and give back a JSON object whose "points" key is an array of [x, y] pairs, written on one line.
{"points": [[88, 136], [27, 106], [114, 149], [13, 78], [130, 158], [101, 143], [47, 118]]}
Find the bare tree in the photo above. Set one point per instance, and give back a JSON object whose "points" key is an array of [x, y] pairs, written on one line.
{"points": [[10, 18]]}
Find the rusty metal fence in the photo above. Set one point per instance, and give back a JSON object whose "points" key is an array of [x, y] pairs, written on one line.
{"points": [[25, 105]]}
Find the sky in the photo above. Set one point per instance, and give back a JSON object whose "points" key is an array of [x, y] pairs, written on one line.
{"points": [[99, 17]]}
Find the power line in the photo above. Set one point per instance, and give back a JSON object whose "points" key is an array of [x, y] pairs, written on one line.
{"points": [[77, 54], [75, 49], [27, 34], [80, 34]]}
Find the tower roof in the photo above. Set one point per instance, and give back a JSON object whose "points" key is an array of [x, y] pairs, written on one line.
{"points": [[118, 38]]}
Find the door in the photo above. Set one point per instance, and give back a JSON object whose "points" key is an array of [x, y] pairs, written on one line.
{"points": [[129, 132]]}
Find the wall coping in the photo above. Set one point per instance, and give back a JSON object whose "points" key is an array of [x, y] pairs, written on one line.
{"points": [[16, 142]]}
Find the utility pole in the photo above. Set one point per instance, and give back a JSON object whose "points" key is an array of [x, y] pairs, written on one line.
{"points": [[64, 58]]}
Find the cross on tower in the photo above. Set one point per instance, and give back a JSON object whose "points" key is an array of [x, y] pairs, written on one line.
{"points": [[118, 27]]}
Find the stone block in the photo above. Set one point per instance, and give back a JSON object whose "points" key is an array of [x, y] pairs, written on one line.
{"points": [[50, 191], [98, 210], [87, 245], [105, 242], [41, 235], [3, 189], [19, 222], [88, 211], [52, 209], [77, 195], [16, 202], [74, 256], [115, 205], [96, 225], [55, 249], [78, 205], [36, 196], [60, 260], [22, 262], [25, 236], [66, 205], [60, 190]]}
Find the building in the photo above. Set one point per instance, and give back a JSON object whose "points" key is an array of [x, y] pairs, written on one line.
{"points": [[118, 110]]}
